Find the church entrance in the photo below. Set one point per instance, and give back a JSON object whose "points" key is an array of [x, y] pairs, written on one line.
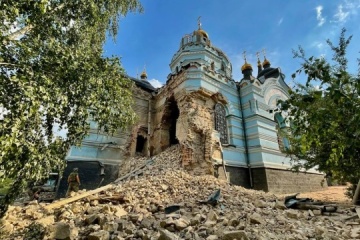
{"points": [[169, 119]]}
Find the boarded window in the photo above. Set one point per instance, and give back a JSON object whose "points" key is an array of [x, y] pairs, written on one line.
{"points": [[220, 123]]}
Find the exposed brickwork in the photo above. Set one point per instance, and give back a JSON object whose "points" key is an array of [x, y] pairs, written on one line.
{"points": [[194, 125], [284, 181], [187, 156], [239, 176], [259, 179]]}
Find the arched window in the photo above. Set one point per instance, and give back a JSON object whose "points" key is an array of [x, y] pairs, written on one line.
{"points": [[220, 123], [281, 132]]}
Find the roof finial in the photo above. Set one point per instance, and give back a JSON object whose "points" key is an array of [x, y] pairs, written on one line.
{"points": [[266, 62], [246, 65], [143, 75], [264, 53], [258, 57], [199, 22], [244, 55]]}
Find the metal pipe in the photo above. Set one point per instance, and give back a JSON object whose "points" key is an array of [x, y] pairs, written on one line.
{"points": [[247, 158]]}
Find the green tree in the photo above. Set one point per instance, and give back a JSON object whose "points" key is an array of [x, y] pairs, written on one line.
{"points": [[325, 130], [53, 76]]}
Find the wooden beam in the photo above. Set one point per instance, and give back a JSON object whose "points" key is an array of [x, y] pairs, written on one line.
{"points": [[357, 210], [357, 194], [77, 197], [130, 174], [88, 193]]}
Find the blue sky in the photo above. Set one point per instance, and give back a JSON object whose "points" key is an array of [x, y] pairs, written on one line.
{"points": [[151, 38]]}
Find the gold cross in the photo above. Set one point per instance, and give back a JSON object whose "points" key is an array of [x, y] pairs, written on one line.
{"points": [[199, 22], [244, 55], [264, 52]]}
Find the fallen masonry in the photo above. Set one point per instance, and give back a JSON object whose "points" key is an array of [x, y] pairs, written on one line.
{"points": [[134, 208]]}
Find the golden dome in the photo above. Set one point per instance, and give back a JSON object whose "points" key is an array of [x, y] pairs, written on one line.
{"points": [[259, 63], [246, 66], [202, 33], [266, 62], [143, 75]]}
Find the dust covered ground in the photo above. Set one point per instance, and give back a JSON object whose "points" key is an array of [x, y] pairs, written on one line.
{"points": [[333, 194], [165, 202]]}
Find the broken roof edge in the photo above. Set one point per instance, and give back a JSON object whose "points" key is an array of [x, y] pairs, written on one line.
{"points": [[145, 85]]}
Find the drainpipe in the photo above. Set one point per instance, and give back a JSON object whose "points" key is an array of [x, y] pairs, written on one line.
{"points": [[247, 158], [149, 124], [223, 162]]}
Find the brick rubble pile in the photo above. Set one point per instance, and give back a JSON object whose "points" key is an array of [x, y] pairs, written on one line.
{"points": [[169, 159], [135, 209]]}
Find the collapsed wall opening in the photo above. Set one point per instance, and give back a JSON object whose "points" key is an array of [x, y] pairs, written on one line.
{"points": [[169, 120], [140, 143]]}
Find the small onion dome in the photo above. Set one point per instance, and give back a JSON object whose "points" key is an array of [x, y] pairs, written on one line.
{"points": [[202, 33], [266, 62], [259, 63], [143, 75], [246, 66]]}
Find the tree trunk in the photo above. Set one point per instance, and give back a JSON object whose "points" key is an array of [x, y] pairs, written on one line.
{"points": [[357, 193]]}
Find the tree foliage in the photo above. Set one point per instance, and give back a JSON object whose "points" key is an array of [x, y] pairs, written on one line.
{"points": [[53, 76], [325, 129]]}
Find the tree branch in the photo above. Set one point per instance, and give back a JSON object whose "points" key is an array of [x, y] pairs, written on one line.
{"points": [[18, 33], [7, 64], [24, 30]]}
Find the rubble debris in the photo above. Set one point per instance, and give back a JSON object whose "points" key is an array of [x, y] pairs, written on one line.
{"points": [[76, 197], [135, 209], [213, 198], [171, 209], [308, 204]]}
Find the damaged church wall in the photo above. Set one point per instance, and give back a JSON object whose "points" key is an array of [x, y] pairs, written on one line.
{"points": [[138, 141], [194, 125], [223, 127], [98, 146]]}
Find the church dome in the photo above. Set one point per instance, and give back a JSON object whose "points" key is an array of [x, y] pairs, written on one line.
{"points": [[246, 66], [143, 75], [266, 62], [202, 33]]}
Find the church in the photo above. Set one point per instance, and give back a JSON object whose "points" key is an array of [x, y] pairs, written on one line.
{"points": [[226, 127]]}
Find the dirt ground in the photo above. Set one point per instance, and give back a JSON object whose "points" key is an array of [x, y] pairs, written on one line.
{"points": [[333, 194]]}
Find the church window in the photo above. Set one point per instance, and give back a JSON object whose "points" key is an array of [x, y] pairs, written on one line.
{"points": [[220, 123], [212, 66], [283, 141]]}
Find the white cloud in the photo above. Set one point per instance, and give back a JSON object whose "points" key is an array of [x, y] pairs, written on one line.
{"points": [[341, 15], [345, 10], [319, 17], [280, 21], [155, 83], [319, 45]]}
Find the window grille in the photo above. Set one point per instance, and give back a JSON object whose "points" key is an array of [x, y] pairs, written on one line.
{"points": [[220, 123]]}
